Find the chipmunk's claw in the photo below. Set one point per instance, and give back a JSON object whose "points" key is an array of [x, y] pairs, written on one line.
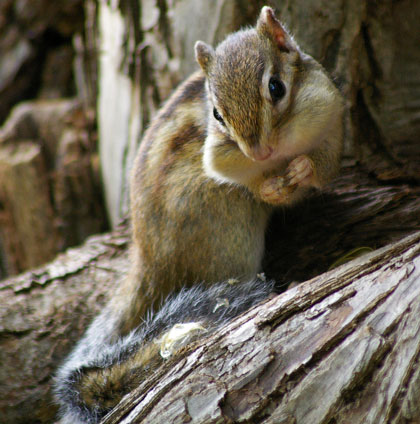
{"points": [[300, 171]]}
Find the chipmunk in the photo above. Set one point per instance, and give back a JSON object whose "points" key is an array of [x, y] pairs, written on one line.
{"points": [[255, 128]]}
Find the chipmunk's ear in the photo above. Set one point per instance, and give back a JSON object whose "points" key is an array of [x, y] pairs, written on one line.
{"points": [[270, 27], [204, 55]]}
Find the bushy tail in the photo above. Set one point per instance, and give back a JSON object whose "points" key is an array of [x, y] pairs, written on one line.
{"points": [[100, 371]]}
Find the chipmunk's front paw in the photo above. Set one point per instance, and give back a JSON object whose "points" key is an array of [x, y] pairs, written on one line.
{"points": [[300, 172], [276, 191], [282, 190]]}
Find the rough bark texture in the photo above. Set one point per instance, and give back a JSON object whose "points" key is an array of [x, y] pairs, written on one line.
{"points": [[42, 313], [45, 311], [341, 348]]}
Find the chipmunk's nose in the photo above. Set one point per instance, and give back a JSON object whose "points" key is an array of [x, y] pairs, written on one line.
{"points": [[261, 153]]}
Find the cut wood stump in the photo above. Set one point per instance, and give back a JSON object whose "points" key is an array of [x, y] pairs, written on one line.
{"points": [[26, 218], [50, 195]]}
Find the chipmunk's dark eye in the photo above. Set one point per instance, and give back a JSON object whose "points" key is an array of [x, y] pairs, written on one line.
{"points": [[217, 116], [277, 89]]}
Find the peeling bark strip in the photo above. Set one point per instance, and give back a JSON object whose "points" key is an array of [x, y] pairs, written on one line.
{"points": [[341, 348]]}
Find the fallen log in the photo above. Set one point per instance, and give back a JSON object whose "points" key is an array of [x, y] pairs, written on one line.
{"points": [[44, 312], [341, 348]]}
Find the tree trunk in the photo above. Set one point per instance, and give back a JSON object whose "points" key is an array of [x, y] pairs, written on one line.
{"points": [[45, 311]]}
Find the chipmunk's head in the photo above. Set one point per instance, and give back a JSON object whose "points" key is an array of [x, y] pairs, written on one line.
{"points": [[254, 80], [249, 75]]}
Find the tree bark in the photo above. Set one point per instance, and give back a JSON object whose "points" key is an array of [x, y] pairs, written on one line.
{"points": [[45, 311], [341, 348]]}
